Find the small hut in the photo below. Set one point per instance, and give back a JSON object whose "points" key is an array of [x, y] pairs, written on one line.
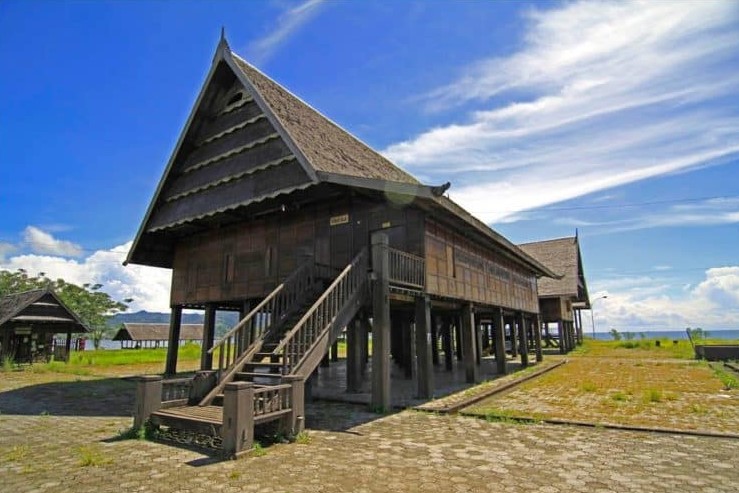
{"points": [[562, 299], [136, 336], [28, 322]]}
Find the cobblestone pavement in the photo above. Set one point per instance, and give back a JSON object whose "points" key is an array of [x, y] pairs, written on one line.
{"points": [[352, 450]]}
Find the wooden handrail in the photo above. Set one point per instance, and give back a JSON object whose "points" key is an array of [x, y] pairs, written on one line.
{"points": [[302, 338], [406, 269]]}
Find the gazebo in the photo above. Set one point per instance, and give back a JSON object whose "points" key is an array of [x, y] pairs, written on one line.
{"points": [[28, 322]]}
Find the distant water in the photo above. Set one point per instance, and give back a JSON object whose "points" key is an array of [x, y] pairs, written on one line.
{"points": [[667, 334]]}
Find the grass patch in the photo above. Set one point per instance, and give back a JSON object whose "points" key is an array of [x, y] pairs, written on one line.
{"points": [[729, 380], [619, 396], [258, 450], [588, 386], [92, 456], [234, 475], [303, 438], [652, 395], [7, 365], [17, 453]]}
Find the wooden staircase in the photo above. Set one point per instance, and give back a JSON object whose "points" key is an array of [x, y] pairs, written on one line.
{"points": [[283, 339]]}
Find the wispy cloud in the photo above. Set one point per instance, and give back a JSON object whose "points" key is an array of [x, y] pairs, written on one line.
{"points": [[39, 241], [621, 92], [288, 23], [708, 212]]}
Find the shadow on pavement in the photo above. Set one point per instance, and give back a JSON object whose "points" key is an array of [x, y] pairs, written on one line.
{"points": [[104, 397]]}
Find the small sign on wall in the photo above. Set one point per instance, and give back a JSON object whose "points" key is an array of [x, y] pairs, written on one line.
{"points": [[336, 220]]}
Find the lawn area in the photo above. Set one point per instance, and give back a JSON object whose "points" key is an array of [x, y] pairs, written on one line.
{"points": [[645, 385], [118, 362]]}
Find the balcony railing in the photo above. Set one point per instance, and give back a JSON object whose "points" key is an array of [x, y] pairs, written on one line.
{"points": [[407, 270]]}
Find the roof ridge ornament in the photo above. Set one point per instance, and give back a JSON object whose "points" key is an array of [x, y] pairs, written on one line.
{"points": [[223, 42]]}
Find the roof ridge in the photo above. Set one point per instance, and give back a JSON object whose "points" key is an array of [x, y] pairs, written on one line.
{"points": [[551, 240]]}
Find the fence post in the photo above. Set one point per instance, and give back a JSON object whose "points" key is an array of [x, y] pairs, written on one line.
{"points": [[238, 418], [294, 423], [148, 398]]}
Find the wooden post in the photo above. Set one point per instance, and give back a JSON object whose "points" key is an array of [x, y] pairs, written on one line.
{"points": [[435, 340], [364, 336], [408, 346], [501, 362], [67, 344], [468, 342], [478, 343], [209, 328], [514, 337], [537, 339], [354, 356], [238, 418], [173, 344], [446, 341], [424, 339], [381, 324], [148, 398], [294, 422], [458, 338], [524, 347], [562, 337], [335, 351]]}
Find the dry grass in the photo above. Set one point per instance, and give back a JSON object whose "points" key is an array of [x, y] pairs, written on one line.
{"points": [[602, 386]]}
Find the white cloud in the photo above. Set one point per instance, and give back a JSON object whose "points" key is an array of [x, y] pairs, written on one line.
{"points": [[40, 241], [148, 286], [6, 249], [647, 303], [621, 92], [288, 24]]}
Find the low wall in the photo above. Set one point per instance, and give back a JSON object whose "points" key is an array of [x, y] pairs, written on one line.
{"points": [[723, 352]]}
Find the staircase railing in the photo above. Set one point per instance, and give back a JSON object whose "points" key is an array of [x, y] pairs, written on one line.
{"points": [[246, 337], [325, 312], [406, 269]]}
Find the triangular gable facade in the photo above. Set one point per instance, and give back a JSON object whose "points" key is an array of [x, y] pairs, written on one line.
{"points": [[248, 142], [41, 308]]}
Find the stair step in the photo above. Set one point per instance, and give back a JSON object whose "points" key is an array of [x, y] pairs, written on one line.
{"points": [[266, 355], [250, 376], [266, 364]]}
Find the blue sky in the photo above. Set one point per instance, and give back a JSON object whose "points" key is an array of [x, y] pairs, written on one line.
{"points": [[619, 119]]}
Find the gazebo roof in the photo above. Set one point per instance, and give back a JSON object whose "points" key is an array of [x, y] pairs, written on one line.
{"points": [[39, 308], [156, 332]]}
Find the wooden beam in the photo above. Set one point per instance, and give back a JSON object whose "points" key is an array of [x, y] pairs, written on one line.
{"points": [[468, 343], [380, 400]]}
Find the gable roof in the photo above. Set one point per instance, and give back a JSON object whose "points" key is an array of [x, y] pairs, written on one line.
{"points": [[235, 153], [39, 307], [561, 255], [157, 332]]}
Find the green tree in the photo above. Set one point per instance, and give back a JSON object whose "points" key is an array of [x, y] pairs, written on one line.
{"points": [[615, 334], [91, 304]]}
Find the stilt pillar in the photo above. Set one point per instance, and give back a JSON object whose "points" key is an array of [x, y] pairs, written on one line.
{"points": [[209, 329], [424, 338], [435, 341], [499, 334], [380, 400], [537, 339], [354, 356], [562, 337], [335, 351], [446, 342], [468, 343], [173, 344], [523, 332]]}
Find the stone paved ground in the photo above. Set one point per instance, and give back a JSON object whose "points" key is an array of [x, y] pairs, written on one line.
{"points": [[349, 450]]}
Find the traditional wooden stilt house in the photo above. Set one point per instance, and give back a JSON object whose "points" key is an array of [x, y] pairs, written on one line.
{"points": [[269, 208], [561, 299], [28, 322]]}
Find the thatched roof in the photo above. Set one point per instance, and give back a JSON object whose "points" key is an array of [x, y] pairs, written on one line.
{"points": [[157, 332], [39, 309], [561, 255], [273, 144]]}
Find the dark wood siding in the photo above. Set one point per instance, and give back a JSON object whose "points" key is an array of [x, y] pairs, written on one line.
{"points": [[458, 268]]}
